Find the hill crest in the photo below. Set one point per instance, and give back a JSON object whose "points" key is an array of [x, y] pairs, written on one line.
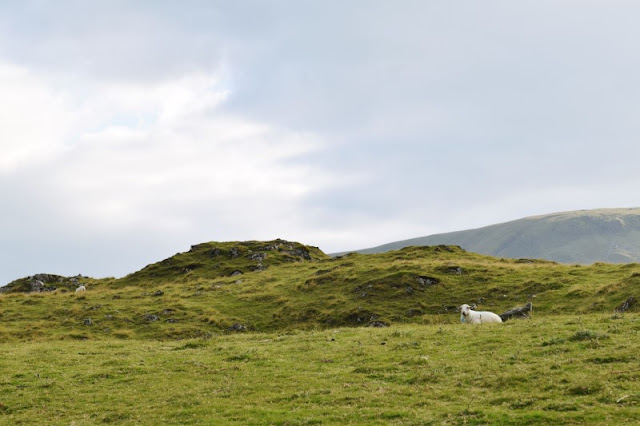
{"points": [[581, 237], [204, 260]]}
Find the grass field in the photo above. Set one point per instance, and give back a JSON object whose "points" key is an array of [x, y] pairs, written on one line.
{"points": [[279, 333], [547, 370]]}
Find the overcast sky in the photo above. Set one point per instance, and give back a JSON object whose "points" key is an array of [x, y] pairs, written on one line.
{"points": [[130, 130]]}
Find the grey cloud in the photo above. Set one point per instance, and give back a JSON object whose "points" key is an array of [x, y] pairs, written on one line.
{"points": [[115, 40], [423, 109]]}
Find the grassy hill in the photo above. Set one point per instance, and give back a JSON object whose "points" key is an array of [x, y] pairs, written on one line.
{"points": [[278, 285], [279, 333], [586, 236]]}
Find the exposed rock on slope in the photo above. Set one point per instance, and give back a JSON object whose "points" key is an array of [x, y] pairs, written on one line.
{"points": [[216, 259], [42, 282], [206, 260]]}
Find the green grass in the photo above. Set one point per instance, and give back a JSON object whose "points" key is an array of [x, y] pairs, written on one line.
{"points": [[521, 372], [416, 285]]}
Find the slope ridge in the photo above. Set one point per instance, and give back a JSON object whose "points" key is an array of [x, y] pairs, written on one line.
{"points": [[584, 237]]}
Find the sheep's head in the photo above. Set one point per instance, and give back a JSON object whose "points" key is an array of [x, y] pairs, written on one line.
{"points": [[464, 309]]}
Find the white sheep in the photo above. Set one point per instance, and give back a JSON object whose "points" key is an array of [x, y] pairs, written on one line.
{"points": [[81, 288], [469, 316]]}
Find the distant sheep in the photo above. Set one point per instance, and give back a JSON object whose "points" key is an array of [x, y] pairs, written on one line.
{"points": [[80, 289], [469, 316]]}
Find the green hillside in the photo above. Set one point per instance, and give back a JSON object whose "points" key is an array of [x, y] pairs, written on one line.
{"points": [[584, 237], [278, 285], [279, 333]]}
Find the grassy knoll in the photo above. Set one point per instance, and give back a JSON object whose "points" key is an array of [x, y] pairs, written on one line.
{"points": [[559, 369], [418, 285]]}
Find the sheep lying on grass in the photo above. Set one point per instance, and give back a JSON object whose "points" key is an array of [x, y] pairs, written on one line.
{"points": [[469, 316], [81, 288]]}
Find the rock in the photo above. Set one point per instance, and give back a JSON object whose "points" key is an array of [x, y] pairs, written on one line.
{"points": [[37, 285], [361, 316], [259, 257], [629, 303], [235, 273], [378, 324], [151, 317], [215, 252], [49, 278], [427, 281], [257, 268], [87, 321], [300, 252], [237, 327], [158, 293], [521, 312], [172, 321]]}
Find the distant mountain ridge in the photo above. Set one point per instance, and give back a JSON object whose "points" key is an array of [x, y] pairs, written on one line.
{"points": [[581, 237]]}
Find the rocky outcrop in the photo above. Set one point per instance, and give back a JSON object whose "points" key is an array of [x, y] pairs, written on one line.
{"points": [[42, 283], [225, 259], [521, 312], [627, 304]]}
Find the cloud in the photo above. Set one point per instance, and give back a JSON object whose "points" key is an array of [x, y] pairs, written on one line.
{"points": [[35, 120], [156, 125], [159, 159], [111, 40]]}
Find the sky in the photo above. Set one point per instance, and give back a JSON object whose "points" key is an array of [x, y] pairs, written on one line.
{"points": [[131, 130]]}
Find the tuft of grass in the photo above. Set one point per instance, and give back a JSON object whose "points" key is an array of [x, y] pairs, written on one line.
{"points": [[553, 341], [191, 345], [582, 335], [123, 334]]}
